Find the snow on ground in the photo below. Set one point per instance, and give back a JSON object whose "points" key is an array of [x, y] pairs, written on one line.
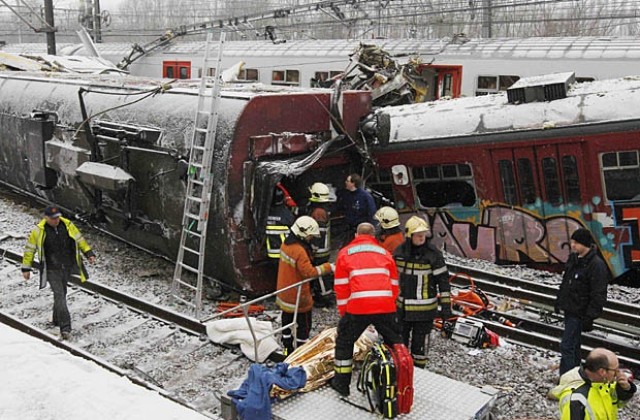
{"points": [[41, 381]]}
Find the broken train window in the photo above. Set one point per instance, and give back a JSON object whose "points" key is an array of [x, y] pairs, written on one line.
{"points": [[381, 187], [449, 185], [621, 175]]}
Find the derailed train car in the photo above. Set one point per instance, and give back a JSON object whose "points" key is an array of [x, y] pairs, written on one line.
{"points": [[113, 149], [508, 181], [499, 178]]}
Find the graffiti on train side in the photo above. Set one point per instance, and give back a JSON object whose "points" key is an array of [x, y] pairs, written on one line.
{"points": [[505, 233]]}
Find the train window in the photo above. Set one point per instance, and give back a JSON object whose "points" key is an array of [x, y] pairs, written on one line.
{"points": [[507, 81], [488, 82], [494, 84], [285, 77], [445, 185], [322, 76], [571, 179], [176, 69], [431, 172], [621, 173], [508, 182], [380, 183], [551, 180], [250, 75], [525, 176], [211, 71]]}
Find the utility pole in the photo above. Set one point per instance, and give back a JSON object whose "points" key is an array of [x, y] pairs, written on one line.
{"points": [[51, 35], [486, 18], [97, 28]]}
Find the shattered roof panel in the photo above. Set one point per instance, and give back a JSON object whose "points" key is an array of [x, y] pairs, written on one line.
{"points": [[17, 62]]}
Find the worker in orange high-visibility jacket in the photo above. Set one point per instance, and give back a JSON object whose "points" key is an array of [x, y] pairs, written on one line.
{"points": [[295, 265], [366, 286]]}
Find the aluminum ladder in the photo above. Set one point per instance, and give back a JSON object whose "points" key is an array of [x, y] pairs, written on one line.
{"points": [[191, 253]]}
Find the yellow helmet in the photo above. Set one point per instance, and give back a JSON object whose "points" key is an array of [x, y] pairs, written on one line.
{"points": [[319, 193], [388, 217], [414, 225], [305, 226]]}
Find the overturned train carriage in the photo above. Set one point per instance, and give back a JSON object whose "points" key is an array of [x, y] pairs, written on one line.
{"points": [[116, 149]]}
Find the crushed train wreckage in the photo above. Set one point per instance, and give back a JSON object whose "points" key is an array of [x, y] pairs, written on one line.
{"points": [[112, 149]]}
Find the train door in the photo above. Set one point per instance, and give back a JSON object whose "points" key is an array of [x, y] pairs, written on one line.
{"points": [[446, 80], [540, 185], [176, 69]]}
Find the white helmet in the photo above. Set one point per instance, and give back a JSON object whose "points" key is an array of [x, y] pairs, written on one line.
{"points": [[319, 193], [305, 226], [416, 224], [388, 217]]}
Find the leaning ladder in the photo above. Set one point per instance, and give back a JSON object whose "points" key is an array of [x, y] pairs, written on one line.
{"points": [[199, 182]]}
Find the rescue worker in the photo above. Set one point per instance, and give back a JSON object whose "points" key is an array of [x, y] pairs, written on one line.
{"points": [[423, 275], [366, 289], [59, 246], [597, 390], [390, 234], [582, 295], [356, 204], [279, 221], [295, 265], [318, 209]]}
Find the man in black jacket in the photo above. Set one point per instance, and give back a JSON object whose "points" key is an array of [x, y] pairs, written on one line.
{"points": [[582, 295]]}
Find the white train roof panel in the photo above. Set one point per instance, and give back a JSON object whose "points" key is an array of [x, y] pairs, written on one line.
{"points": [[586, 103]]}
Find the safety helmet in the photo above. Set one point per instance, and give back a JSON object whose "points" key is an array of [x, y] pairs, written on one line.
{"points": [[305, 226], [319, 193], [414, 225], [388, 217]]}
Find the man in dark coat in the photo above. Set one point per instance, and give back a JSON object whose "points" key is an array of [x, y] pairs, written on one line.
{"points": [[582, 295]]}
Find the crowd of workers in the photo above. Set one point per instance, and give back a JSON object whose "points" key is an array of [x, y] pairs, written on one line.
{"points": [[398, 282], [394, 280]]}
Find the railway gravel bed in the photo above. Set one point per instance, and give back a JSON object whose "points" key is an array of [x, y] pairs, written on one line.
{"points": [[203, 370]]}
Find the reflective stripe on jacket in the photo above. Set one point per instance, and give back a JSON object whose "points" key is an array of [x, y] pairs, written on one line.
{"points": [[276, 236], [294, 266], [35, 245], [366, 278], [424, 281]]}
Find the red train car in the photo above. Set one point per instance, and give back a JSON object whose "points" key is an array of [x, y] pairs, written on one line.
{"points": [[509, 182]]}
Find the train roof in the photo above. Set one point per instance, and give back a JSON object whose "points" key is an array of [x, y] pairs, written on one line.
{"points": [[137, 83], [578, 48], [615, 100]]}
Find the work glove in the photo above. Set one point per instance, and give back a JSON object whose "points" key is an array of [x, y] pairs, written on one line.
{"points": [[587, 325]]}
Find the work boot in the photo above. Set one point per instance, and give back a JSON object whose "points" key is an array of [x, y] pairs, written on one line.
{"points": [[65, 335], [342, 389]]}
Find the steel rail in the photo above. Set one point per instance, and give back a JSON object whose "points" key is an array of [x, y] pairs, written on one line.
{"points": [[524, 290], [544, 335], [184, 322]]}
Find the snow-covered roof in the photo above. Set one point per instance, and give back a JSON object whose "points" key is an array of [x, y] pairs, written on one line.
{"points": [[579, 48], [586, 103]]}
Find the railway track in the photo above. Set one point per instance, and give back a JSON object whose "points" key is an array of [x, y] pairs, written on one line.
{"points": [[617, 329], [153, 346]]}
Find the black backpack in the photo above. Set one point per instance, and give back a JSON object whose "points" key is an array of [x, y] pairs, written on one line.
{"points": [[378, 380]]}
